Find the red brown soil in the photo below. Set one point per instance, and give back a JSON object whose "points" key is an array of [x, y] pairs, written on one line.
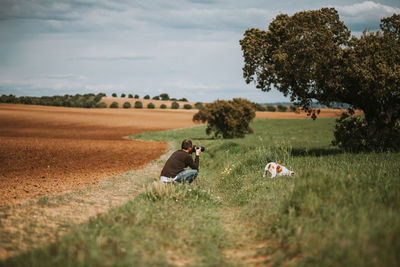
{"points": [[50, 150]]}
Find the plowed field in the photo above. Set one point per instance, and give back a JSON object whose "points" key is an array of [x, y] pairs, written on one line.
{"points": [[50, 150]]}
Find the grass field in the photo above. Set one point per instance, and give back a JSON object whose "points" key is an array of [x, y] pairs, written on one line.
{"points": [[341, 209]]}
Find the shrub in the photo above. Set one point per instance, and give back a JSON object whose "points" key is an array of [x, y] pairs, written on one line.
{"points": [[259, 107], [150, 105], [130, 96], [351, 134], [136, 96], [163, 106], [187, 106], [146, 97], [156, 98], [175, 105], [123, 95], [229, 119], [114, 105], [127, 105], [164, 96], [183, 99], [114, 95], [138, 104], [293, 108], [198, 105], [101, 105], [271, 108], [282, 108]]}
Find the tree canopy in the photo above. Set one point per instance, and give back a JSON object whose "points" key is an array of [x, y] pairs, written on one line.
{"points": [[312, 56], [229, 119]]}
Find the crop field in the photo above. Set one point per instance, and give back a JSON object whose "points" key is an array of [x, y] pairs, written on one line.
{"points": [[340, 209], [48, 150]]}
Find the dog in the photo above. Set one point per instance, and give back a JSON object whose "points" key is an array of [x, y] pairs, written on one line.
{"points": [[277, 170]]}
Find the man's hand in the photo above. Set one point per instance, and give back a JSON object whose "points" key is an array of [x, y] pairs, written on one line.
{"points": [[198, 151]]}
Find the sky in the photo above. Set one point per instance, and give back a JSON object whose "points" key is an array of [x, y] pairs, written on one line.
{"points": [[186, 48]]}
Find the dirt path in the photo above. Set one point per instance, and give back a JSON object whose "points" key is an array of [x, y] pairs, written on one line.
{"points": [[36, 223], [246, 249]]}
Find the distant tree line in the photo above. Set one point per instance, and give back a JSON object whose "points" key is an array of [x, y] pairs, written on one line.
{"points": [[158, 97], [78, 100]]}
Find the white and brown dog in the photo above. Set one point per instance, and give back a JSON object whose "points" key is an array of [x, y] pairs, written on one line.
{"points": [[277, 170]]}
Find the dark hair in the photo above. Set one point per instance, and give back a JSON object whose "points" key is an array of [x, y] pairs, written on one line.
{"points": [[186, 144]]}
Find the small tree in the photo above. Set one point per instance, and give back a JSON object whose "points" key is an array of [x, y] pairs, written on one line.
{"points": [[114, 105], [293, 108], [163, 106], [229, 119], [146, 97], [282, 108], [101, 105], [259, 107], [164, 97], [130, 96], [183, 99], [150, 105], [127, 105], [187, 106], [156, 97], [198, 105], [138, 104], [175, 105], [136, 96], [123, 95], [271, 108], [114, 95]]}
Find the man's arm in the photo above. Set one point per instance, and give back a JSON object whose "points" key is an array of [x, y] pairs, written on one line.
{"points": [[196, 163]]}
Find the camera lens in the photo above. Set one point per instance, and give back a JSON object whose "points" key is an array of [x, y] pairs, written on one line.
{"points": [[202, 148]]}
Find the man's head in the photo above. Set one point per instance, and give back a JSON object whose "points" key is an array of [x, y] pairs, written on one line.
{"points": [[187, 145]]}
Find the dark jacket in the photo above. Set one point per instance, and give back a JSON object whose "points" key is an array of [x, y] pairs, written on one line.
{"points": [[177, 162]]}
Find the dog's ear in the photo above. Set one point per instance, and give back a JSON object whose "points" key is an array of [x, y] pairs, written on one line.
{"points": [[292, 174]]}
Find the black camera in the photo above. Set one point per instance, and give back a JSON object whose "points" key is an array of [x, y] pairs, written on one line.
{"points": [[196, 147]]}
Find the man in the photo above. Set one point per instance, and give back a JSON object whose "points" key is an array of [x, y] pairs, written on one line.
{"points": [[174, 169]]}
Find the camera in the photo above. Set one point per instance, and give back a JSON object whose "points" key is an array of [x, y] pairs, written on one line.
{"points": [[196, 147]]}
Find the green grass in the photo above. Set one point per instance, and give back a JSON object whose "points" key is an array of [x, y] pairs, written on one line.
{"points": [[341, 209]]}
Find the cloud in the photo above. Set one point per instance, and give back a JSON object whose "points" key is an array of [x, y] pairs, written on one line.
{"points": [[226, 19], [56, 85], [81, 16], [365, 15], [112, 58], [187, 48], [66, 76]]}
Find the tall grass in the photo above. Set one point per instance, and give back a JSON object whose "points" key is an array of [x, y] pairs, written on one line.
{"points": [[340, 209]]}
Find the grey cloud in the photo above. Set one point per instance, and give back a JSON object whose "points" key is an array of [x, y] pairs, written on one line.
{"points": [[113, 58], [365, 15], [67, 16], [53, 10]]}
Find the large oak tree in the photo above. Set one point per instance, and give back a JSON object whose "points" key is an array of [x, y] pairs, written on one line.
{"points": [[312, 56]]}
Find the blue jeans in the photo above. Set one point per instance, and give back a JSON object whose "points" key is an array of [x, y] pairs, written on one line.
{"points": [[186, 176]]}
